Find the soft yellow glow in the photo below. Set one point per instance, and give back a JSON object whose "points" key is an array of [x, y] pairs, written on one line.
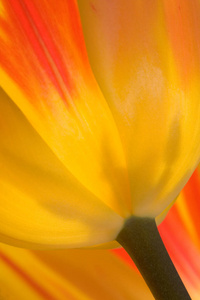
{"points": [[45, 205]]}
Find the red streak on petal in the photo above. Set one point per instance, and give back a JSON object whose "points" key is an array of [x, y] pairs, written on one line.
{"points": [[192, 196], [44, 47], [178, 245], [27, 278], [41, 43], [124, 256], [47, 42]]}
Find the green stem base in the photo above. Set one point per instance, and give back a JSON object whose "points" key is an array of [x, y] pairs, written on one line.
{"points": [[141, 239]]}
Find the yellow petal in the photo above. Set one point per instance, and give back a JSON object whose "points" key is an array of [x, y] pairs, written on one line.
{"points": [[45, 71], [67, 274], [41, 204], [146, 58]]}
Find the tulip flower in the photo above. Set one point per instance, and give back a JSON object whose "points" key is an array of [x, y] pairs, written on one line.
{"points": [[99, 121]]}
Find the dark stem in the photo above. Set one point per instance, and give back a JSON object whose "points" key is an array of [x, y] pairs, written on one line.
{"points": [[141, 239]]}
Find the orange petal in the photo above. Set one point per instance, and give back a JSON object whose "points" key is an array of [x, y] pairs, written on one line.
{"points": [[183, 253], [180, 233], [75, 274], [45, 71]]}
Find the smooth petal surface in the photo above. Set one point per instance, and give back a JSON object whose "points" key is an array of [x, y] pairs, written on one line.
{"points": [[41, 204], [67, 274], [146, 58], [45, 71]]}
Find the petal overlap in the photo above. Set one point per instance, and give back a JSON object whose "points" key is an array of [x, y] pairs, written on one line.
{"points": [[42, 204], [145, 56], [45, 71]]}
